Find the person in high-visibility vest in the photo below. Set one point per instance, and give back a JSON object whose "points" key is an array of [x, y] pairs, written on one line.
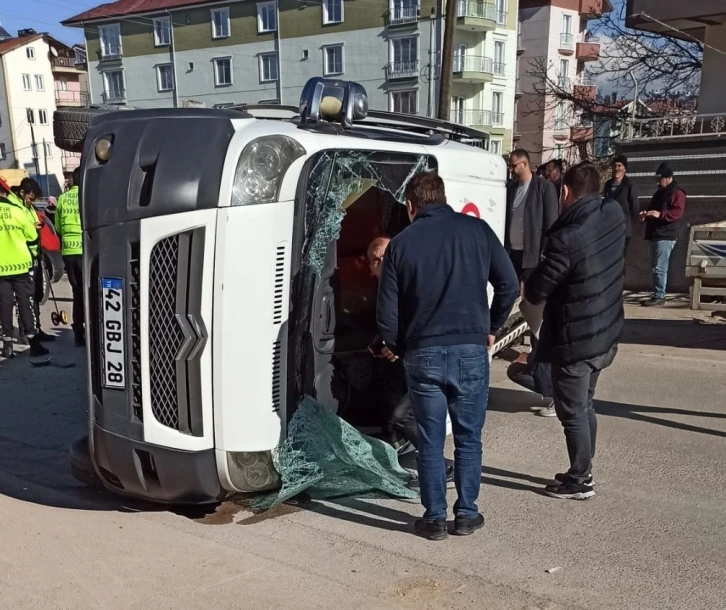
{"points": [[28, 191], [17, 231], [68, 226]]}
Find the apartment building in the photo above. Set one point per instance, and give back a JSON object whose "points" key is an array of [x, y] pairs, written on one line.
{"points": [[190, 52], [37, 74], [555, 38]]}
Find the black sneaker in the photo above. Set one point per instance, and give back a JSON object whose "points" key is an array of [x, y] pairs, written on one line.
{"points": [[653, 302], [45, 337], [79, 341], [561, 477], [465, 526], [414, 482], [37, 350], [8, 349], [431, 530], [570, 491]]}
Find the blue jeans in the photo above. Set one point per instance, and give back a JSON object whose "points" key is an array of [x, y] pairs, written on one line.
{"points": [[453, 379], [660, 256]]}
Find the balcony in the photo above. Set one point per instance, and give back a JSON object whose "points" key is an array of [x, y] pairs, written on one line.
{"points": [[582, 133], [70, 161], [497, 121], [403, 15], [473, 69], [64, 64], [499, 68], [402, 69], [476, 16], [110, 52], [594, 9], [692, 18], [567, 44], [72, 98], [117, 96], [585, 88], [676, 128], [562, 131], [588, 49], [564, 84], [472, 118]]}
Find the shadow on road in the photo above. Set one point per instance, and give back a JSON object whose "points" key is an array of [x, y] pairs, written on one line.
{"points": [[674, 333]]}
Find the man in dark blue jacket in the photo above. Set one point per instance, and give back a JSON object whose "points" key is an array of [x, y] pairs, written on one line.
{"points": [[433, 310], [580, 278]]}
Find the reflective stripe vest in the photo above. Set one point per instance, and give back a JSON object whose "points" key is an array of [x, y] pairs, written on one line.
{"points": [[68, 222], [16, 230]]}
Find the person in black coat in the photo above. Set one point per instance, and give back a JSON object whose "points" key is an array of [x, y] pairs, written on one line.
{"points": [[580, 279], [621, 188], [532, 207]]}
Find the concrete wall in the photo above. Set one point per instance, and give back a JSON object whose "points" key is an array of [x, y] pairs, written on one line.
{"points": [[6, 131]]}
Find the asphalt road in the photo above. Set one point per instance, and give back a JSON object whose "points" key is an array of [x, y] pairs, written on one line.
{"points": [[653, 538]]}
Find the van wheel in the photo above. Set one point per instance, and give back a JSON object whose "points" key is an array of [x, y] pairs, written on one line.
{"points": [[47, 270], [81, 465], [71, 124]]}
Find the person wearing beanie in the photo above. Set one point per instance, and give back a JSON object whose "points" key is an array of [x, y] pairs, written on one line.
{"points": [[621, 189], [663, 219]]}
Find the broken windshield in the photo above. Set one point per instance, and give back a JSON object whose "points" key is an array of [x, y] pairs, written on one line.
{"points": [[335, 179]]}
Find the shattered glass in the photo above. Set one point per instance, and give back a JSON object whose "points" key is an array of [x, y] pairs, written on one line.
{"points": [[334, 177], [326, 457]]}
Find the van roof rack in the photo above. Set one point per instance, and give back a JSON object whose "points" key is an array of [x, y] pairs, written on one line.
{"points": [[377, 118]]}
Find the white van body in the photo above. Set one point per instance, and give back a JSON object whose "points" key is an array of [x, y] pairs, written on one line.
{"points": [[206, 395]]}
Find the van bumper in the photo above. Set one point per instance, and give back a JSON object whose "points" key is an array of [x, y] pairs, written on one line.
{"points": [[153, 473]]}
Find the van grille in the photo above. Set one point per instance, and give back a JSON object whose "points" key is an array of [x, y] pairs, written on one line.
{"points": [[165, 336], [135, 331]]}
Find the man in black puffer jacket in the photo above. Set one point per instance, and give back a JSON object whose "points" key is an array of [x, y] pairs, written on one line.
{"points": [[620, 188], [580, 279]]}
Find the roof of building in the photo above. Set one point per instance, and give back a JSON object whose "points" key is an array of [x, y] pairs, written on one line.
{"points": [[15, 43], [126, 8]]}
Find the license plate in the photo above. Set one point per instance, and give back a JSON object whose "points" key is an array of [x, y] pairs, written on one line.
{"points": [[112, 311]]}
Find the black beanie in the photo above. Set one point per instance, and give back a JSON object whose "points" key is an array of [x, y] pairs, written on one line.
{"points": [[621, 159], [664, 171]]}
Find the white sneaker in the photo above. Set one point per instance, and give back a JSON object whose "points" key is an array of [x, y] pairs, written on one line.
{"points": [[546, 411]]}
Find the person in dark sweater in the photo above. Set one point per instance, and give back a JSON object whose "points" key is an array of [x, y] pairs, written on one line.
{"points": [[621, 188], [555, 169], [580, 279], [433, 311], [663, 220]]}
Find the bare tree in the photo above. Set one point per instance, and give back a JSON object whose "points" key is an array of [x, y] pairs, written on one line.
{"points": [[667, 70]]}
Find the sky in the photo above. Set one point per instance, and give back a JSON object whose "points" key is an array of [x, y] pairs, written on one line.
{"points": [[44, 16]]}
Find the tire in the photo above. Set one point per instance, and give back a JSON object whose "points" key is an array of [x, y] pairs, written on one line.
{"points": [[47, 273], [71, 124], [81, 465]]}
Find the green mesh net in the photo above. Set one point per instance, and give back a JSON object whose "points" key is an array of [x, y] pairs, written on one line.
{"points": [[326, 457]]}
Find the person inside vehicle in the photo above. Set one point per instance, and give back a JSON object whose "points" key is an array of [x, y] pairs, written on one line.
{"points": [[399, 429]]}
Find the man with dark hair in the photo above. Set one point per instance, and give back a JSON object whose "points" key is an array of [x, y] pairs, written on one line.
{"points": [[663, 220], [580, 279], [68, 225], [531, 209], [433, 310], [553, 172], [620, 188]]}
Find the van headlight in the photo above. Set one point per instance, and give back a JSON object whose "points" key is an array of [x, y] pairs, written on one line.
{"points": [[261, 168]]}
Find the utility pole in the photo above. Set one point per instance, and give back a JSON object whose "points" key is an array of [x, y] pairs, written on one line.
{"points": [[34, 148], [433, 55], [447, 60], [45, 162]]}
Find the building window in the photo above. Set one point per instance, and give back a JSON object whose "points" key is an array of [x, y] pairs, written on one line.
{"points": [[48, 150], [404, 101], [332, 11], [220, 22], [62, 84], [3, 151], [110, 40], [566, 24], [162, 32], [30, 115], [333, 60], [26, 82], [266, 17], [39, 82], [30, 53], [165, 77], [499, 57], [459, 58], [268, 67], [560, 116], [495, 146], [222, 71], [404, 57], [558, 151], [80, 56], [457, 110], [563, 78], [42, 117], [501, 11], [497, 108], [114, 90]]}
